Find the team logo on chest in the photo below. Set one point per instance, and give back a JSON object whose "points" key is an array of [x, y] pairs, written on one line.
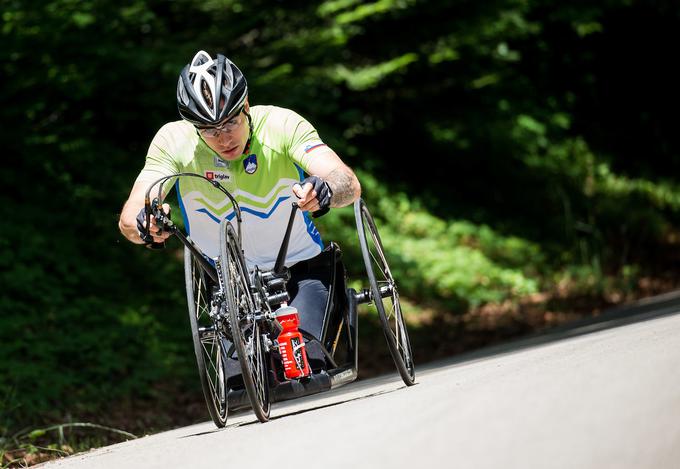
{"points": [[250, 164], [220, 163]]}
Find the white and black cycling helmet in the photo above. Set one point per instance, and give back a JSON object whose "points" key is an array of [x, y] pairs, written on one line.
{"points": [[210, 91]]}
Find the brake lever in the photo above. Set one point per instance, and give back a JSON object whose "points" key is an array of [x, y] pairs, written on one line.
{"points": [[163, 221]]}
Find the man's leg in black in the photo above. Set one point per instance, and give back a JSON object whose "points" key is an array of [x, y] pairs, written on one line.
{"points": [[309, 293]]}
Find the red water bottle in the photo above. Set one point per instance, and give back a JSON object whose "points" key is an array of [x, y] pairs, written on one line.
{"points": [[291, 344]]}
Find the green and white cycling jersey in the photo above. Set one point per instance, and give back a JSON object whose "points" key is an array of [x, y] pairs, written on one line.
{"points": [[281, 148]]}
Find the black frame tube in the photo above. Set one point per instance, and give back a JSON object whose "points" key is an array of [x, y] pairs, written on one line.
{"points": [[207, 266], [283, 250]]}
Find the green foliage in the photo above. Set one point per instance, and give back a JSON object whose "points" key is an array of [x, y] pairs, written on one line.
{"points": [[369, 77], [453, 262]]}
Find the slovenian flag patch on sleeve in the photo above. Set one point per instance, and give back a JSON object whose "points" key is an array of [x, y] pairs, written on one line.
{"points": [[311, 146]]}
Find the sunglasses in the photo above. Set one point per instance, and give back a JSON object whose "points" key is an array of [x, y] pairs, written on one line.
{"points": [[227, 127]]}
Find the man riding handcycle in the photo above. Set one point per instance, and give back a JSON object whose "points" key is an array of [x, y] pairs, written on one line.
{"points": [[236, 169]]}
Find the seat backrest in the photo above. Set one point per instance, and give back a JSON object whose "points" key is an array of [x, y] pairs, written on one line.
{"points": [[336, 303]]}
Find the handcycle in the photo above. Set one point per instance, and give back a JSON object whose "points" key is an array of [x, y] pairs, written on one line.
{"points": [[232, 311]]}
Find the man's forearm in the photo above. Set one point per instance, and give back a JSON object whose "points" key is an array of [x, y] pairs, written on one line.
{"points": [[345, 187]]}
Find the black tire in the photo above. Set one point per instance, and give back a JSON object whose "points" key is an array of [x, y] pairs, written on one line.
{"points": [[208, 338], [391, 318], [245, 330]]}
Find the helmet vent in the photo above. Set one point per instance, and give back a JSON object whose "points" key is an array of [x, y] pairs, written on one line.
{"points": [[206, 94]]}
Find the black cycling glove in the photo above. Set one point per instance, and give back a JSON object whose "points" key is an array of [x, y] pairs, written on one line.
{"points": [[144, 232], [323, 194]]}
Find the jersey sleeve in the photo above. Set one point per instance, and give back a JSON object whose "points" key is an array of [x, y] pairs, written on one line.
{"points": [[302, 138], [160, 159]]}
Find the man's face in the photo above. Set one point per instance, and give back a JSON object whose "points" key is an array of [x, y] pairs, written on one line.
{"points": [[229, 140]]}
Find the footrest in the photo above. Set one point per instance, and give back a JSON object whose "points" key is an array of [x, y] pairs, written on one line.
{"points": [[316, 383]]}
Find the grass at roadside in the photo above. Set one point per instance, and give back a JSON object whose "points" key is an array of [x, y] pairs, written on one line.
{"points": [[30, 447]]}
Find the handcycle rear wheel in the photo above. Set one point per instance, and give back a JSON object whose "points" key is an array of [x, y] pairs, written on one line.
{"points": [[208, 339], [245, 330], [383, 287]]}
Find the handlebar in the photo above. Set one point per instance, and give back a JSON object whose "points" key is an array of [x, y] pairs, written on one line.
{"points": [[150, 209], [155, 207]]}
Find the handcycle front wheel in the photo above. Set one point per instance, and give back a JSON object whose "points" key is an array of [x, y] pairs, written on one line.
{"points": [[208, 339], [384, 293], [245, 330]]}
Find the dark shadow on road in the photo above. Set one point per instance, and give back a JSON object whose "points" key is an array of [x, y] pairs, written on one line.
{"points": [[297, 412]]}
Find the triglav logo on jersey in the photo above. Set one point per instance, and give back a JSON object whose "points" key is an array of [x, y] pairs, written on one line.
{"points": [[217, 176], [250, 164]]}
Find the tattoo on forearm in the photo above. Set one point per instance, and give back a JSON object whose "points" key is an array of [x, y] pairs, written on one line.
{"points": [[342, 183]]}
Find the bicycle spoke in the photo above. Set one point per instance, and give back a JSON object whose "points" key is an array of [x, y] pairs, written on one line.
{"points": [[253, 358], [376, 262], [211, 362], [378, 248]]}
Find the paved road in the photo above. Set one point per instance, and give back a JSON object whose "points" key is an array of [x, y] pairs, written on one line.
{"points": [[601, 395]]}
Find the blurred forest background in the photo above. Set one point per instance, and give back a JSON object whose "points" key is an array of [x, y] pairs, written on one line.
{"points": [[522, 158]]}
